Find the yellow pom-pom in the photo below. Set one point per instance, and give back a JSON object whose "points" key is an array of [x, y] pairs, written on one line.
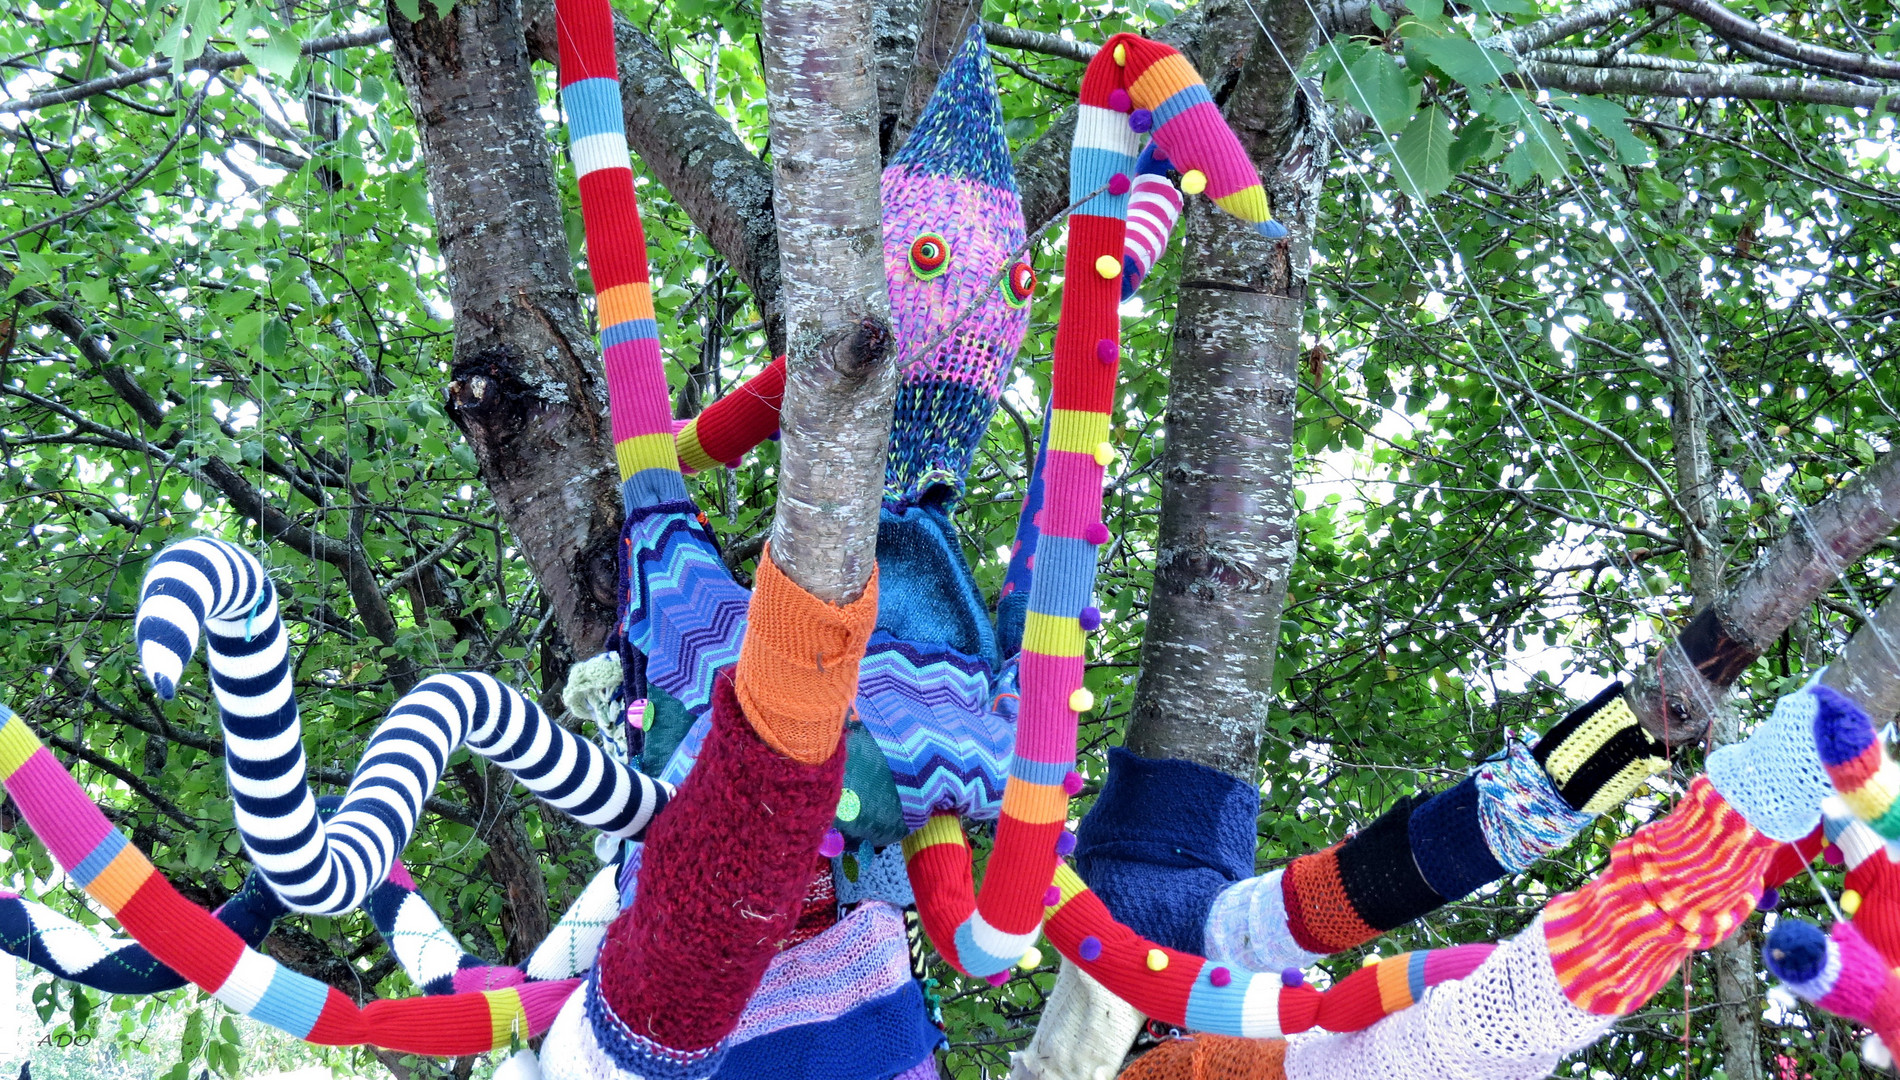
{"points": [[1031, 960], [1194, 181], [1082, 700], [1157, 960], [1369, 960], [1850, 902], [1104, 454], [1108, 266], [1121, 56]]}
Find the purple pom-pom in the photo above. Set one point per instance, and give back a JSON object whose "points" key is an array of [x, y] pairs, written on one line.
{"points": [[1096, 533], [1832, 853], [1090, 949], [1141, 121], [1065, 843], [832, 845], [1292, 976], [1770, 899], [1119, 100], [1091, 619], [1220, 976], [1108, 351], [1052, 897], [999, 978], [1072, 783], [1118, 184]]}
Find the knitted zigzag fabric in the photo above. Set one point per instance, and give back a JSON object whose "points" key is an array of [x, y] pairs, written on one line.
{"points": [[117, 964], [330, 867], [192, 942]]}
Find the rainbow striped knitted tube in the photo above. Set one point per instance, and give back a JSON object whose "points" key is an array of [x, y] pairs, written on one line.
{"points": [[637, 394], [1857, 762], [189, 940], [1130, 77]]}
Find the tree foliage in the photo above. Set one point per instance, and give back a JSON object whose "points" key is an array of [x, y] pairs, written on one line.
{"points": [[246, 332]]}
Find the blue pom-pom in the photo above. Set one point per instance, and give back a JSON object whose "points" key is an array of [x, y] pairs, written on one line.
{"points": [[1841, 729], [1796, 951], [1271, 229], [1770, 900]]}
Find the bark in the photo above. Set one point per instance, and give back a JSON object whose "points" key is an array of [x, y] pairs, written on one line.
{"points": [[1606, 80], [526, 386], [1788, 577], [1228, 531], [1733, 26], [821, 84], [1868, 668], [896, 23], [511, 861], [940, 29]]}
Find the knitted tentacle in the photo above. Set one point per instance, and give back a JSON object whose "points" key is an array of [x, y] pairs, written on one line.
{"points": [[1871, 890], [1838, 971], [329, 867], [722, 433], [1857, 761], [117, 964], [637, 396], [1154, 206], [188, 939]]}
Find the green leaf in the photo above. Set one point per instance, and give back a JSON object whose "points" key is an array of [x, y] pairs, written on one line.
{"points": [[1377, 86], [277, 54], [1424, 154], [274, 337], [1611, 121], [411, 9], [1465, 60], [1473, 143], [228, 1030]]}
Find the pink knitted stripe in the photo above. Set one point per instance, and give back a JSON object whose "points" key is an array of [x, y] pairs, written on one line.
{"points": [[1045, 732], [636, 384], [65, 820], [487, 978], [1072, 499], [1218, 155], [541, 1001]]}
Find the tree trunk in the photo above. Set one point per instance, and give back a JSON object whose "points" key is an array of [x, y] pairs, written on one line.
{"points": [[526, 386], [821, 84], [1868, 669]]}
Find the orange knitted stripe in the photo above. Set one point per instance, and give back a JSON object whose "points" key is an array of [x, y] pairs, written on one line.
{"points": [[1212, 1057], [798, 668], [1319, 913], [1677, 886]]}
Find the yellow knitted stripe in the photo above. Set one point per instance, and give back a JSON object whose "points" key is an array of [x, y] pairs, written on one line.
{"points": [[1053, 635], [940, 829], [16, 745], [1077, 431], [1871, 800], [1247, 204], [625, 303], [691, 454], [1035, 804], [644, 452], [1164, 78], [506, 1017], [1587, 740], [1624, 784], [1069, 884]]}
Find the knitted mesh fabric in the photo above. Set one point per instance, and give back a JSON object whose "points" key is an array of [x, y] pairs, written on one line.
{"points": [[1599, 754], [1507, 1020], [1159, 869], [1084, 1032], [1680, 884], [763, 814], [952, 179], [798, 669], [1775, 779], [1247, 928], [1212, 1057], [1380, 877]]}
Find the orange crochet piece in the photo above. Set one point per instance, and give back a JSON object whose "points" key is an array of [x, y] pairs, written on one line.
{"points": [[1319, 913], [1678, 885], [1212, 1057], [798, 669]]}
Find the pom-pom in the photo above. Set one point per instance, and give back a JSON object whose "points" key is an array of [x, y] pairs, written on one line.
{"points": [[1157, 960], [1193, 182], [1158, 152], [1141, 121], [1107, 350], [1292, 977], [1031, 960], [999, 978], [1104, 454], [1832, 853], [1065, 842], [1090, 949], [1096, 533], [1108, 266], [1850, 902], [1052, 897], [1796, 951], [1091, 619], [1220, 976], [1118, 184], [1119, 101], [1369, 960], [1081, 700], [1072, 783], [1770, 900], [832, 845], [1121, 56]]}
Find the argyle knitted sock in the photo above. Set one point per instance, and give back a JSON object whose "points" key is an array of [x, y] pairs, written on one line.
{"points": [[1212, 1057], [1084, 1032], [1775, 778], [725, 430], [741, 836], [798, 668], [1838, 971], [1678, 885], [1600, 754], [1156, 868], [1857, 761]]}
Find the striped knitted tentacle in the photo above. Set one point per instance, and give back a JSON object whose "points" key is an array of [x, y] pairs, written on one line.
{"points": [[188, 939], [637, 394], [1154, 207], [117, 964], [329, 867], [1857, 761], [721, 434], [434, 959], [1840, 972]]}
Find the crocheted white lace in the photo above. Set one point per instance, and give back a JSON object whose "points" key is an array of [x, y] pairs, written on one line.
{"points": [[1246, 927]]}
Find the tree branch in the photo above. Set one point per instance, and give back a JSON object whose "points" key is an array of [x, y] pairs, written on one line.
{"points": [[1603, 80], [1868, 668], [1730, 25], [1039, 41]]}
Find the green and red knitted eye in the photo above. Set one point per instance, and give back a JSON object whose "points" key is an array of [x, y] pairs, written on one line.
{"points": [[929, 256], [1019, 285]]}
